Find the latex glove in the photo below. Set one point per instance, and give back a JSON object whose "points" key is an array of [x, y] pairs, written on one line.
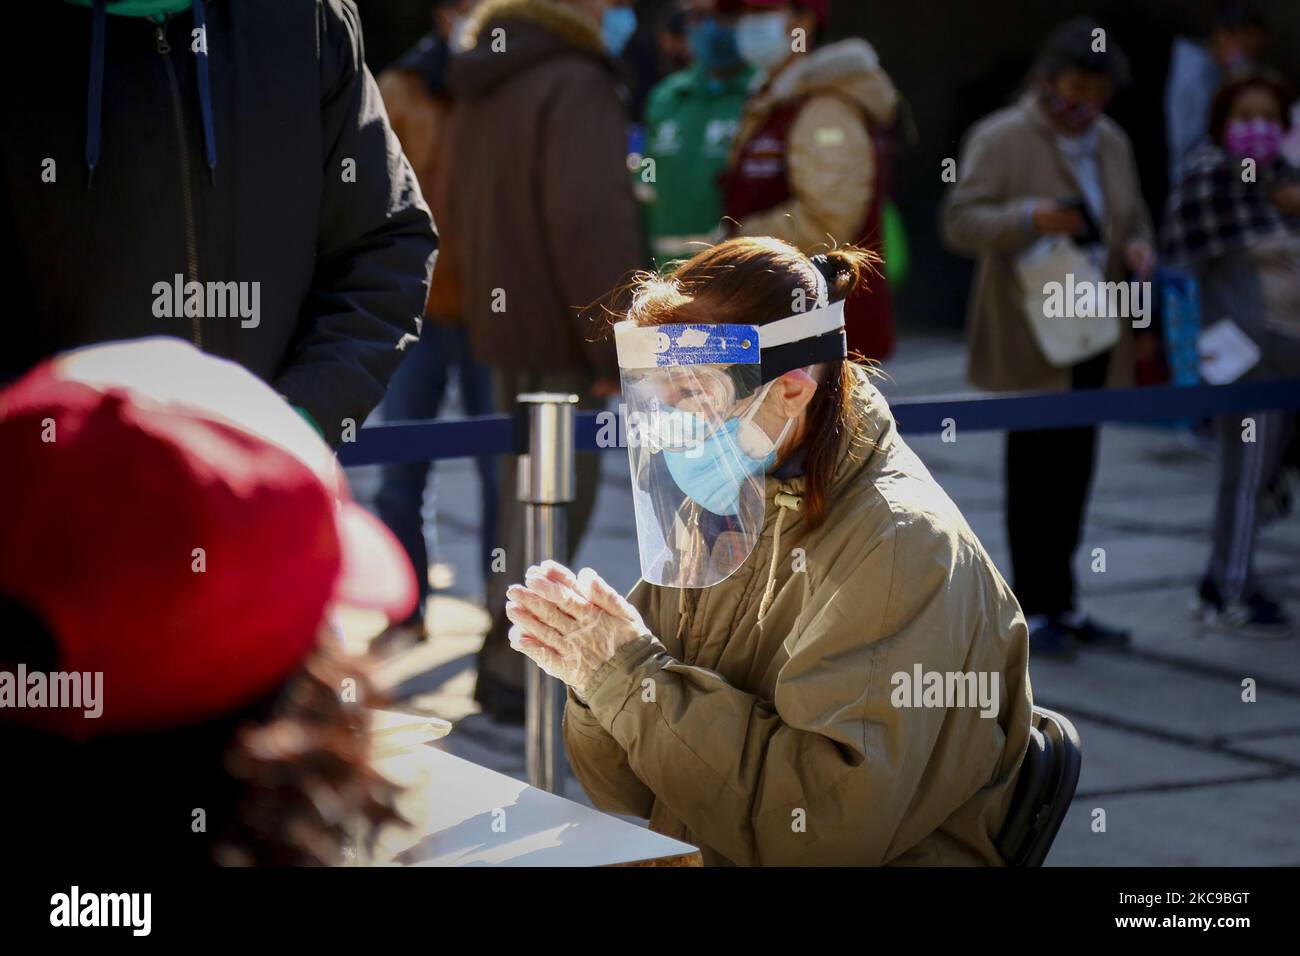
{"points": [[570, 625]]}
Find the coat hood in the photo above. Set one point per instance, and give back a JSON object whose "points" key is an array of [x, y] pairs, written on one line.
{"points": [[849, 68], [534, 31]]}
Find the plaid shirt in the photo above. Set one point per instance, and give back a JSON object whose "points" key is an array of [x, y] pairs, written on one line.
{"points": [[1213, 211]]}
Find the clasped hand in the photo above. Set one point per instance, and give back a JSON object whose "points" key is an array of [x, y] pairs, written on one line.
{"points": [[570, 625]]}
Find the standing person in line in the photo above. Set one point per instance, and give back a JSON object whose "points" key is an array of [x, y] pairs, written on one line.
{"points": [[691, 118], [419, 106], [1241, 237], [545, 224], [810, 162], [646, 50], [1016, 167], [246, 194], [1233, 43]]}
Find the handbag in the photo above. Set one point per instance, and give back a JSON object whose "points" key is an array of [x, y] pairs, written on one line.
{"points": [[1055, 278], [1180, 300]]}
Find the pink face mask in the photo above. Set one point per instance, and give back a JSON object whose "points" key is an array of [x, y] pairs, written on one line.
{"points": [[1074, 115], [1257, 139]]}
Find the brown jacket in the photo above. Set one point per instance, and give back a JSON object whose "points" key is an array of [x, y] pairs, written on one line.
{"points": [[1010, 158], [419, 117], [781, 741], [541, 201]]}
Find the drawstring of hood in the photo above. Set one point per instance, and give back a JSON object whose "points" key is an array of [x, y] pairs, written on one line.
{"points": [[205, 90], [95, 89], [681, 617], [784, 502]]}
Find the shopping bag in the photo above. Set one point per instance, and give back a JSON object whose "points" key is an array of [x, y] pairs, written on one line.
{"points": [[1180, 311], [1053, 273]]}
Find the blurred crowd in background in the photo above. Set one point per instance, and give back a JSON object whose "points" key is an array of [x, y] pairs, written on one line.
{"points": [[561, 146]]}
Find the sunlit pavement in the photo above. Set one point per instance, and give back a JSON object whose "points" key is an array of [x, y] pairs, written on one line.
{"points": [[1184, 770]]}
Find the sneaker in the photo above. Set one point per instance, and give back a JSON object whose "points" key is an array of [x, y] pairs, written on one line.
{"points": [[1094, 635], [1053, 640], [1257, 616]]}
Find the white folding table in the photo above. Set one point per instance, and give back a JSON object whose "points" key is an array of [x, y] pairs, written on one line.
{"points": [[462, 814]]}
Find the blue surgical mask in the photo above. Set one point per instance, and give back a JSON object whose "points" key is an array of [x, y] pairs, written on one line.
{"points": [[617, 27], [713, 45], [763, 40], [713, 472]]}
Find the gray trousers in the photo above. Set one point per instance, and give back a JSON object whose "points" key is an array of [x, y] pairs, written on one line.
{"points": [[1230, 288], [1246, 468], [497, 657]]}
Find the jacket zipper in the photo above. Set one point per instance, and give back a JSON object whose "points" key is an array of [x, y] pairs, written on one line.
{"points": [[187, 189]]}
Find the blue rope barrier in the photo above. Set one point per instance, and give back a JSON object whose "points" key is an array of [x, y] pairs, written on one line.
{"points": [[1094, 406], [497, 435], [398, 442]]}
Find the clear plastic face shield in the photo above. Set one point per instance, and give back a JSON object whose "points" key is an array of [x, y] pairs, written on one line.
{"points": [[703, 431]]}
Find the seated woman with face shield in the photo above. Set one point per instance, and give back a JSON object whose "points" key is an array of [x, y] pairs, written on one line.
{"points": [[820, 665]]}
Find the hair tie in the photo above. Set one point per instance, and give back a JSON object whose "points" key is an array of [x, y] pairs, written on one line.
{"points": [[820, 264]]}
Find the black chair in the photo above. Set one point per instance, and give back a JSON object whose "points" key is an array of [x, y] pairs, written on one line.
{"points": [[1048, 776]]}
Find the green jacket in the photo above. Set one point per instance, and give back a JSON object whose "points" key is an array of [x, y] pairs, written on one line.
{"points": [[790, 734], [690, 122]]}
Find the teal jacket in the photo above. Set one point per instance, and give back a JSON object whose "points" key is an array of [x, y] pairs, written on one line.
{"points": [[690, 121]]}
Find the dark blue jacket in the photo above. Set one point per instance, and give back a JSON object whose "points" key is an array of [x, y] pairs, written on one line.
{"points": [[300, 186]]}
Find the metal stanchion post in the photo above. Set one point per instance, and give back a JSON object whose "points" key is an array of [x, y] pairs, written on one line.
{"points": [[546, 490]]}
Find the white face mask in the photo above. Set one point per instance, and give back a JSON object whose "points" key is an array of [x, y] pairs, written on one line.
{"points": [[763, 39]]}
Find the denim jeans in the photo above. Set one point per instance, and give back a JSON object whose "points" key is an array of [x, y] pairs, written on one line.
{"points": [[417, 391]]}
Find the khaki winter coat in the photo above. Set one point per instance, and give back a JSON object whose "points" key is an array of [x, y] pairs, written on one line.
{"points": [[1010, 158], [777, 741]]}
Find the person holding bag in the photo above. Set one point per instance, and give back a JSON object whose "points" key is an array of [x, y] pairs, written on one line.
{"points": [[1047, 167]]}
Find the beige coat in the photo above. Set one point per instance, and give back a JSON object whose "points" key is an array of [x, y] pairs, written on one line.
{"points": [[777, 741], [1010, 158]]}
